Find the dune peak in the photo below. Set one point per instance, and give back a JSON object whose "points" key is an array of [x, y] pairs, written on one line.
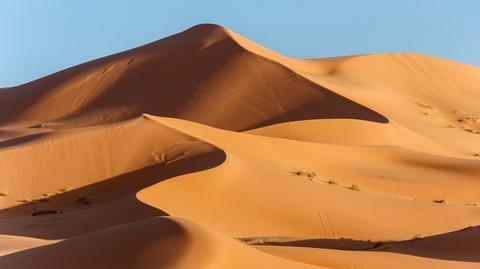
{"points": [[206, 150]]}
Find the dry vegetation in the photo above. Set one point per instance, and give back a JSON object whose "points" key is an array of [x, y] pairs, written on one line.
{"points": [[44, 212], [354, 187]]}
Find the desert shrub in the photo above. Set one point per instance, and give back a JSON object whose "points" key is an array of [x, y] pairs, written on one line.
{"points": [[83, 200], [260, 241], [424, 105], [354, 187], [309, 175], [43, 199], [44, 212], [416, 237]]}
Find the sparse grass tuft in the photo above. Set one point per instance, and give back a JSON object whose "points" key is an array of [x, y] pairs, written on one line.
{"points": [[424, 105], [45, 198], [40, 125], [260, 241], [354, 187], [83, 200], [416, 237], [297, 173], [309, 175], [333, 182], [44, 212]]}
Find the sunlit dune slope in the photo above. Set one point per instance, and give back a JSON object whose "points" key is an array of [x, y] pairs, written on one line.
{"points": [[207, 150], [56, 162], [253, 180]]}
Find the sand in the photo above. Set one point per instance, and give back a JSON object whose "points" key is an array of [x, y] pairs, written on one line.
{"points": [[206, 150]]}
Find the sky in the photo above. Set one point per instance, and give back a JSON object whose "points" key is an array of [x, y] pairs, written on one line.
{"points": [[38, 38]]}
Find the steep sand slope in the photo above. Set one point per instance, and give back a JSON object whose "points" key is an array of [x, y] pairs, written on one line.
{"points": [[55, 162], [201, 74], [150, 243], [304, 157]]}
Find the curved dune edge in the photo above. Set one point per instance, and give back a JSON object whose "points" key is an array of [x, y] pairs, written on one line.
{"points": [[362, 259], [10, 244], [158, 242], [457, 249], [234, 82], [355, 132], [217, 131], [257, 169], [95, 154]]}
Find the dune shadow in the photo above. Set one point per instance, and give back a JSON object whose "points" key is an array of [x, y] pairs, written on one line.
{"points": [[100, 205], [461, 245], [331, 106], [118, 247], [20, 140]]}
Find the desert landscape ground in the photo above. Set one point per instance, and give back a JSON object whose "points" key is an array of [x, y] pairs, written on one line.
{"points": [[207, 150]]}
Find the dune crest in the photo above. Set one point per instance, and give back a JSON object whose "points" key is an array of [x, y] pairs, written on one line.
{"points": [[206, 150]]}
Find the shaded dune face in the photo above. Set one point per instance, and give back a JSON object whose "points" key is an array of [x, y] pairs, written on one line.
{"points": [[111, 248], [202, 75], [206, 150], [158, 242]]}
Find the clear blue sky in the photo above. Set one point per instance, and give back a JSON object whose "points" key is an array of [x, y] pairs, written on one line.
{"points": [[41, 37]]}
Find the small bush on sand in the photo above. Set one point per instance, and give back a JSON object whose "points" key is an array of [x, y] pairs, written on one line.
{"points": [[260, 241], [309, 175], [45, 198], [354, 187], [44, 212], [440, 201], [83, 200], [416, 237], [424, 105]]}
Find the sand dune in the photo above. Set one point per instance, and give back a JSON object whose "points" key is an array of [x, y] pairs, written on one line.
{"points": [[250, 183], [224, 80], [206, 150], [137, 245]]}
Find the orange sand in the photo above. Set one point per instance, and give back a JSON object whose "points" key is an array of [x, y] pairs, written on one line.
{"points": [[206, 150]]}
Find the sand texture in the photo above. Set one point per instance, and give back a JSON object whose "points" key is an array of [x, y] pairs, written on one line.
{"points": [[207, 150]]}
